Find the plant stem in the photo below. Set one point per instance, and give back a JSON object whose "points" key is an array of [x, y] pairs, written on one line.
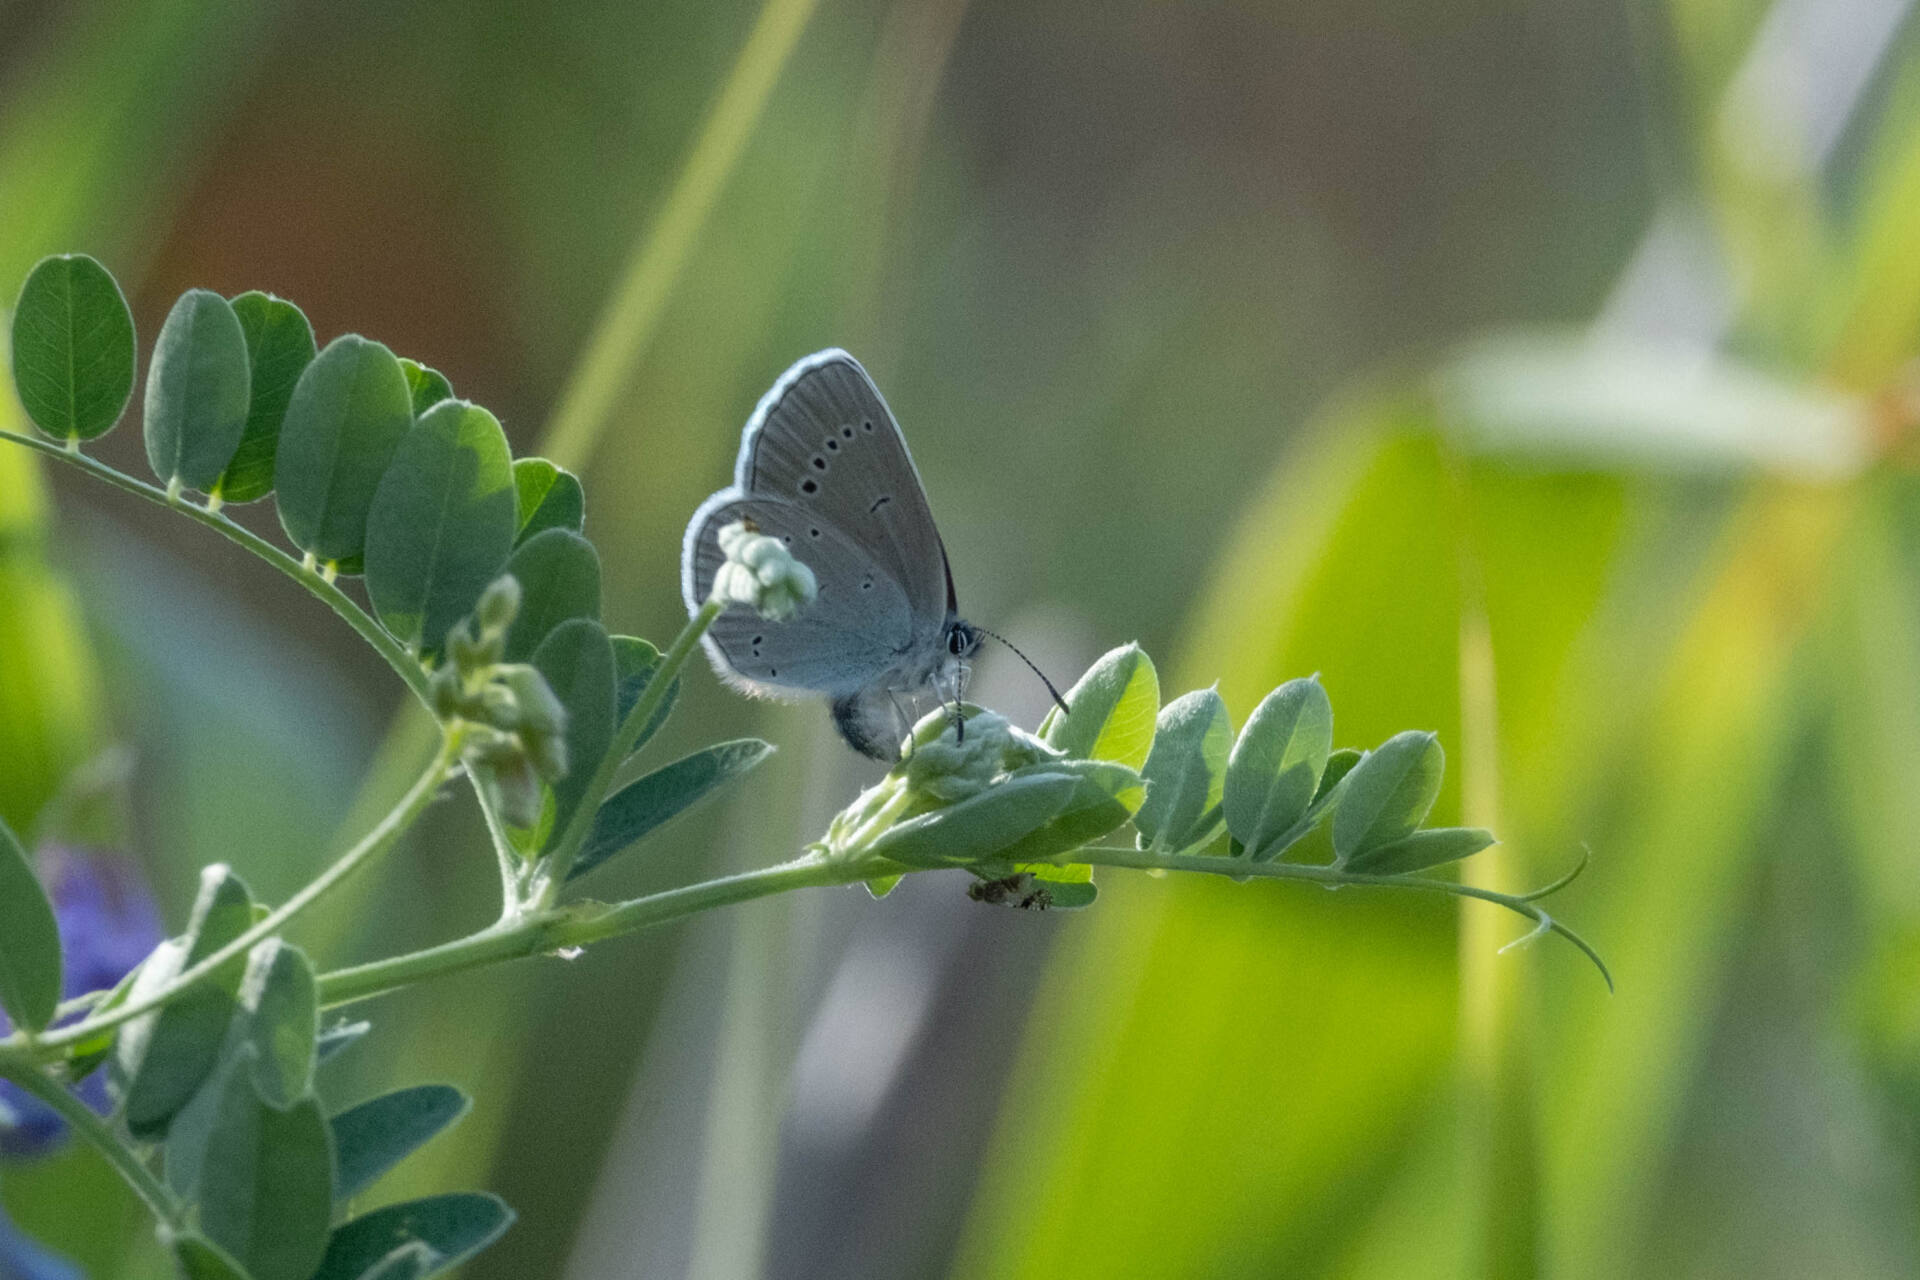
{"points": [[557, 863], [339, 601], [376, 841], [1331, 877], [601, 376], [580, 923], [81, 1119]]}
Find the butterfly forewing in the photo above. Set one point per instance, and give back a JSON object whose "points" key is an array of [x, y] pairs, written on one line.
{"points": [[825, 440]]}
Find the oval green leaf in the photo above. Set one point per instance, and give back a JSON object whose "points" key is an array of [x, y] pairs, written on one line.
{"points": [[441, 523], [981, 826], [73, 352], [1388, 794], [201, 1259], [559, 576], [1186, 769], [1421, 850], [648, 803], [636, 660], [1113, 708], [549, 497], [427, 387], [164, 1056], [1275, 767], [279, 348], [29, 940], [266, 1181], [348, 413], [281, 1002], [454, 1227], [1104, 797], [198, 391], [577, 661], [373, 1137]]}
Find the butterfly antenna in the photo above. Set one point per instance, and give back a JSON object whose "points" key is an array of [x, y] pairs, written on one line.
{"points": [[1065, 710]]}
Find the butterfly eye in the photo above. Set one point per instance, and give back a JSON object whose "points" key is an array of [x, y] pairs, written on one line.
{"points": [[956, 642]]}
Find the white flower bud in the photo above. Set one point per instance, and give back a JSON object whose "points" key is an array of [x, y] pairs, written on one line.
{"points": [[762, 574]]}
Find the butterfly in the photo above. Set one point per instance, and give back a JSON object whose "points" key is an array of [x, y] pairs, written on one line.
{"points": [[824, 468]]}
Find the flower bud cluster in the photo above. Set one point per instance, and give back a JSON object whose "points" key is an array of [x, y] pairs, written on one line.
{"points": [[516, 728], [762, 574]]}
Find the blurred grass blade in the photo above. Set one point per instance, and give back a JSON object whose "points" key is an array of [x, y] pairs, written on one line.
{"points": [[1611, 403], [73, 352], [625, 328]]}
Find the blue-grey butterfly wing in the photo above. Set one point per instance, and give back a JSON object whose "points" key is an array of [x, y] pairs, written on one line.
{"points": [[824, 439], [853, 632]]}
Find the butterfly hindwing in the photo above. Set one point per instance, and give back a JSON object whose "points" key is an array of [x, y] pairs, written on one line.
{"points": [[854, 631]]}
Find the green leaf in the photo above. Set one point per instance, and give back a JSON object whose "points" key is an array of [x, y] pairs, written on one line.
{"points": [[279, 348], [441, 524], [1276, 765], [73, 352], [348, 414], [1035, 813], [577, 661], [1387, 795], [1186, 769], [549, 497], [1113, 710], [1339, 765], [880, 886], [426, 387], [341, 1035], [282, 1006], [980, 826], [266, 1182], [649, 802], [378, 1134], [164, 1056], [635, 660], [1104, 797], [1421, 850], [29, 940], [198, 391], [454, 1227], [559, 575], [408, 1262], [201, 1259]]}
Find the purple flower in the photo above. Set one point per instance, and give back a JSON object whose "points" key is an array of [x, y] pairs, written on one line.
{"points": [[108, 924], [23, 1259]]}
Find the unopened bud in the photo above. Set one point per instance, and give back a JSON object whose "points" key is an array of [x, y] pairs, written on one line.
{"points": [[762, 574], [499, 604]]}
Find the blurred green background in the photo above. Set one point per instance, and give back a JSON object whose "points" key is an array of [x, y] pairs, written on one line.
{"points": [[1537, 372]]}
